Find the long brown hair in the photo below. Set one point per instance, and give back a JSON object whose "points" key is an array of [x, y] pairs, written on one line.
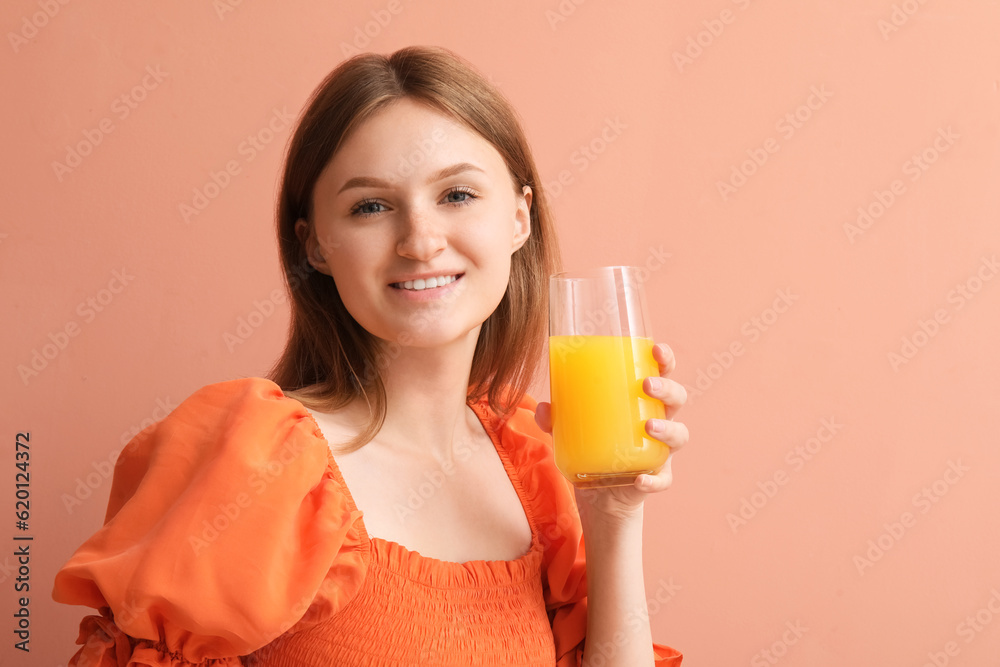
{"points": [[329, 359]]}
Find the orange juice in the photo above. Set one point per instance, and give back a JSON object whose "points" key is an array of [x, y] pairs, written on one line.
{"points": [[599, 409]]}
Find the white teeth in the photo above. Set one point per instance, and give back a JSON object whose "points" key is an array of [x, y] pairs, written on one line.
{"points": [[427, 283]]}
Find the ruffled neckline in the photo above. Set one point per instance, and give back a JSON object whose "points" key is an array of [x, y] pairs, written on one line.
{"points": [[442, 573]]}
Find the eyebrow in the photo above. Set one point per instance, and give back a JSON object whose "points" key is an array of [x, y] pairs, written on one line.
{"points": [[372, 182]]}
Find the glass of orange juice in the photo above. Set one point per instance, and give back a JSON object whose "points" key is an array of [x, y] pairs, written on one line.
{"points": [[600, 351]]}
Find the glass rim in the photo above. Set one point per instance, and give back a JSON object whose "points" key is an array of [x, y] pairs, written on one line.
{"points": [[593, 272]]}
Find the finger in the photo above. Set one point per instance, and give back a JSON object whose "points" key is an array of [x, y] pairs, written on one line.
{"points": [[664, 356], [543, 416], [672, 393], [673, 434], [661, 481]]}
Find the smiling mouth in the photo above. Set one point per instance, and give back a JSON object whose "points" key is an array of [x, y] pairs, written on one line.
{"points": [[426, 283]]}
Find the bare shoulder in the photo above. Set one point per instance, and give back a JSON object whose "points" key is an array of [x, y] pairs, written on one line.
{"points": [[357, 467]]}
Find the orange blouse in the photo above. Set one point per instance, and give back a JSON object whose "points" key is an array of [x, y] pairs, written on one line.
{"points": [[231, 538]]}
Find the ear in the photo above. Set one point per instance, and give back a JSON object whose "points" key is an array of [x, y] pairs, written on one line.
{"points": [[313, 251], [522, 219]]}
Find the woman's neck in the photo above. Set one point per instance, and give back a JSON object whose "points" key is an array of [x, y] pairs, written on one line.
{"points": [[426, 399]]}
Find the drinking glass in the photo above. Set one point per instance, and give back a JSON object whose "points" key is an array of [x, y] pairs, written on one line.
{"points": [[600, 350]]}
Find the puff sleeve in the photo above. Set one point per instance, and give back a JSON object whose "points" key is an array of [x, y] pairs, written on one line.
{"points": [[225, 529], [564, 572]]}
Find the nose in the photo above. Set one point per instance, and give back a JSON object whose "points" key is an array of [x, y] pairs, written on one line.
{"points": [[422, 236]]}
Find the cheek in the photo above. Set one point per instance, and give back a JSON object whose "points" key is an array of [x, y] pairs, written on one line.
{"points": [[346, 268], [328, 239], [499, 275], [333, 244], [349, 251], [356, 301]]}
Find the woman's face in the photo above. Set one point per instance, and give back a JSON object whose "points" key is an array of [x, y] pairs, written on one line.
{"points": [[416, 219]]}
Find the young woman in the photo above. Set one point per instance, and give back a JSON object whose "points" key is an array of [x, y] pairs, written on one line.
{"points": [[387, 496]]}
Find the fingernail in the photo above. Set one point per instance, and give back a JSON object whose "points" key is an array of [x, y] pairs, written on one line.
{"points": [[655, 384]]}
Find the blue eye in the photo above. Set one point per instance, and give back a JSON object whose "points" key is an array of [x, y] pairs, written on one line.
{"points": [[457, 196], [469, 195], [364, 207]]}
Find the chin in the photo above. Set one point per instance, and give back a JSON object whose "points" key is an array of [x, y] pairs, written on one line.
{"points": [[429, 336]]}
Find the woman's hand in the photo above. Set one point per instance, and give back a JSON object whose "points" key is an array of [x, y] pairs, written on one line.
{"points": [[623, 501]]}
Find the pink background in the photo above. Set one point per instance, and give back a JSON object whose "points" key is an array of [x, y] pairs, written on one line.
{"points": [[824, 543]]}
